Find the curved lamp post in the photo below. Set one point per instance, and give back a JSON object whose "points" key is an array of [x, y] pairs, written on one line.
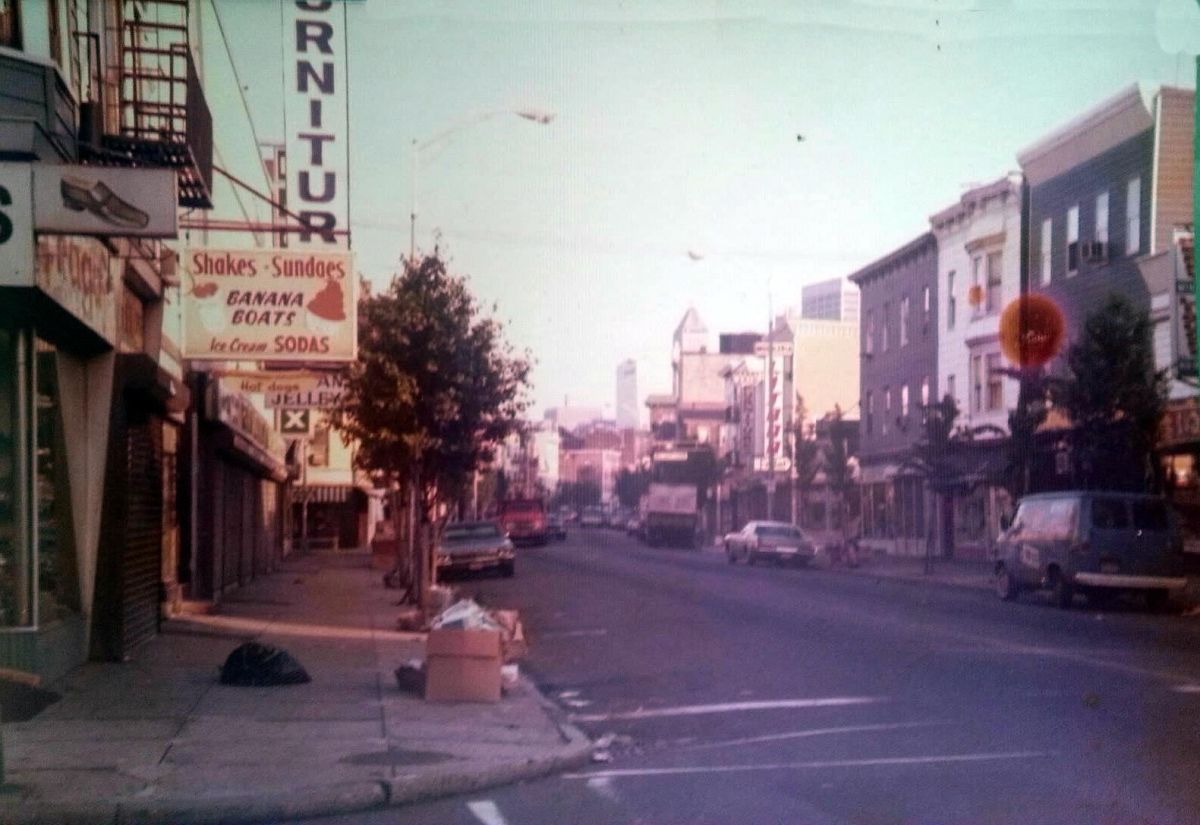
{"points": [[538, 116]]}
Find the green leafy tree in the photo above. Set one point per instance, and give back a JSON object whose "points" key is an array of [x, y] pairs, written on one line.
{"points": [[631, 485], [839, 469], [806, 458], [434, 387], [1114, 398]]}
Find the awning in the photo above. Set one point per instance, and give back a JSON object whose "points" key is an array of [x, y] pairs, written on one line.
{"points": [[323, 493]]}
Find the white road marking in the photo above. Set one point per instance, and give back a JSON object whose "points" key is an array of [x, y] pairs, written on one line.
{"points": [[804, 734], [576, 703], [603, 786], [485, 811], [792, 766], [568, 694], [1189, 688], [729, 707], [573, 634]]}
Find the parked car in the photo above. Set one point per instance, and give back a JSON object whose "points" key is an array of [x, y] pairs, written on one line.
{"points": [[777, 540], [475, 545], [592, 516], [555, 527], [1096, 543]]}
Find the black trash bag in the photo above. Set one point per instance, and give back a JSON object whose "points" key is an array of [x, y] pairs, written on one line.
{"points": [[257, 665]]}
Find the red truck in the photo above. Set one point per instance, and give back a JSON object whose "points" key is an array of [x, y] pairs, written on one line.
{"points": [[524, 520]]}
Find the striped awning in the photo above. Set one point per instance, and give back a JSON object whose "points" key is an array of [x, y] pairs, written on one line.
{"points": [[322, 493]]}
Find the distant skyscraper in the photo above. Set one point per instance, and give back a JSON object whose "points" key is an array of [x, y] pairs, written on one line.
{"points": [[628, 412], [832, 300]]}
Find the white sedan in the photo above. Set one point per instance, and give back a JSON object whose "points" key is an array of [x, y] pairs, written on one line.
{"points": [[777, 540]]}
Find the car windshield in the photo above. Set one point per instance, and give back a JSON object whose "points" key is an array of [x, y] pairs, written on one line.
{"points": [[778, 531], [470, 532]]}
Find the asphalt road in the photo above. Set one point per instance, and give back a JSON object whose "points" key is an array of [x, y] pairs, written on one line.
{"points": [[769, 695]]}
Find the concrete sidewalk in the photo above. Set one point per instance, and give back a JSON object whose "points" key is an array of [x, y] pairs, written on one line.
{"points": [[159, 740], [951, 572]]}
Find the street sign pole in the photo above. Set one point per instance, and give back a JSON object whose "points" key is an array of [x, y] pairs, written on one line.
{"points": [[304, 497]]}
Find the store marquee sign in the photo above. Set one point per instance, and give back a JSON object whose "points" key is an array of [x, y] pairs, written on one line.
{"points": [[1180, 424], [319, 392], [81, 276], [276, 305]]}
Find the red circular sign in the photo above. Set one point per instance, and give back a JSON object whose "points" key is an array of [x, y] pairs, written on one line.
{"points": [[1032, 329]]}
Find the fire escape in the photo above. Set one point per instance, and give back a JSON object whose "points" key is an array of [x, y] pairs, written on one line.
{"points": [[164, 120]]}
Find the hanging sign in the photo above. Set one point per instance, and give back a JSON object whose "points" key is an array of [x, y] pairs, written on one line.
{"points": [[269, 305]]}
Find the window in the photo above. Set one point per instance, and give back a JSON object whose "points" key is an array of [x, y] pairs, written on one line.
{"points": [[1150, 515], [951, 390], [993, 296], [975, 297], [869, 341], [926, 307], [1072, 239], [1046, 248], [951, 300], [1109, 514], [904, 321], [904, 401], [870, 417], [1133, 217], [887, 410], [995, 383], [887, 311], [10, 24], [925, 391], [1102, 217], [976, 383]]}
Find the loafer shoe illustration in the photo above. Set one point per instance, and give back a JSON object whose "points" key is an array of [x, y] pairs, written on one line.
{"points": [[97, 199]]}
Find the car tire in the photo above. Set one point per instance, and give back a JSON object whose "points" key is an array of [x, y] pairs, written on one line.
{"points": [[508, 570], [730, 554], [751, 558], [1006, 586], [1062, 591], [1157, 600]]}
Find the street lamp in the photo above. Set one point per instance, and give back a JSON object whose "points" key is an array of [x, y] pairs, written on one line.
{"points": [[538, 116]]}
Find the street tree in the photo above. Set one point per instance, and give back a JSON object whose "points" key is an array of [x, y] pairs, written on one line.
{"points": [[806, 458], [631, 485], [838, 463], [1114, 398], [434, 388]]}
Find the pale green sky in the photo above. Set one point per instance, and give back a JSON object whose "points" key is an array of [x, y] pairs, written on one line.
{"points": [[675, 129]]}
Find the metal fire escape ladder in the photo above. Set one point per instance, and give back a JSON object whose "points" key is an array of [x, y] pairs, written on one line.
{"points": [[164, 118]]}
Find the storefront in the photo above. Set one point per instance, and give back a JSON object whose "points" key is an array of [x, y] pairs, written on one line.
{"points": [[240, 497], [56, 384]]}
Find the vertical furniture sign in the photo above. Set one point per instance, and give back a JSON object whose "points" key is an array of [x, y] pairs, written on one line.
{"points": [[315, 118]]}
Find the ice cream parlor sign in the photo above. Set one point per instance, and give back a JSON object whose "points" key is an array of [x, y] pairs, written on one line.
{"points": [[268, 305]]}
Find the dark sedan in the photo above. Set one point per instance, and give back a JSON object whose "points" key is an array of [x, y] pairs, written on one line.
{"points": [[475, 545]]}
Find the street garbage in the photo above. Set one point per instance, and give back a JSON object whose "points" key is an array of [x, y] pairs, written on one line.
{"points": [[254, 664], [510, 678], [410, 676], [464, 614]]}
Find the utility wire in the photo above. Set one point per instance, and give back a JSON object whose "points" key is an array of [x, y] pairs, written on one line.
{"points": [[241, 91]]}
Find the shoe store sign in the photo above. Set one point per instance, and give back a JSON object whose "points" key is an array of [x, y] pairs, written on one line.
{"points": [[269, 305], [102, 200]]}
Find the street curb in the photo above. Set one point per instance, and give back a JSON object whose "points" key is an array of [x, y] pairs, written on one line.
{"points": [[867, 573], [329, 800]]}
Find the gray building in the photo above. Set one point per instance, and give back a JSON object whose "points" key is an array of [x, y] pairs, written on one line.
{"points": [[628, 413], [1109, 199], [897, 378], [832, 300]]}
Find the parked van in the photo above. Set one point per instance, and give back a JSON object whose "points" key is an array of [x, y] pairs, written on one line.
{"points": [[1095, 543]]}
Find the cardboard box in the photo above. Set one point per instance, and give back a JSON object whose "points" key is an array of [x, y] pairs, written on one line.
{"points": [[462, 666]]}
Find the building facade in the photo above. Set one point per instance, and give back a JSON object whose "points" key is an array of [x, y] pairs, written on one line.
{"points": [[92, 396], [979, 273], [898, 343]]}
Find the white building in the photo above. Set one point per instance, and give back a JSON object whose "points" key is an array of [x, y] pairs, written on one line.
{"points": [[979, 269], [628, 412]]}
